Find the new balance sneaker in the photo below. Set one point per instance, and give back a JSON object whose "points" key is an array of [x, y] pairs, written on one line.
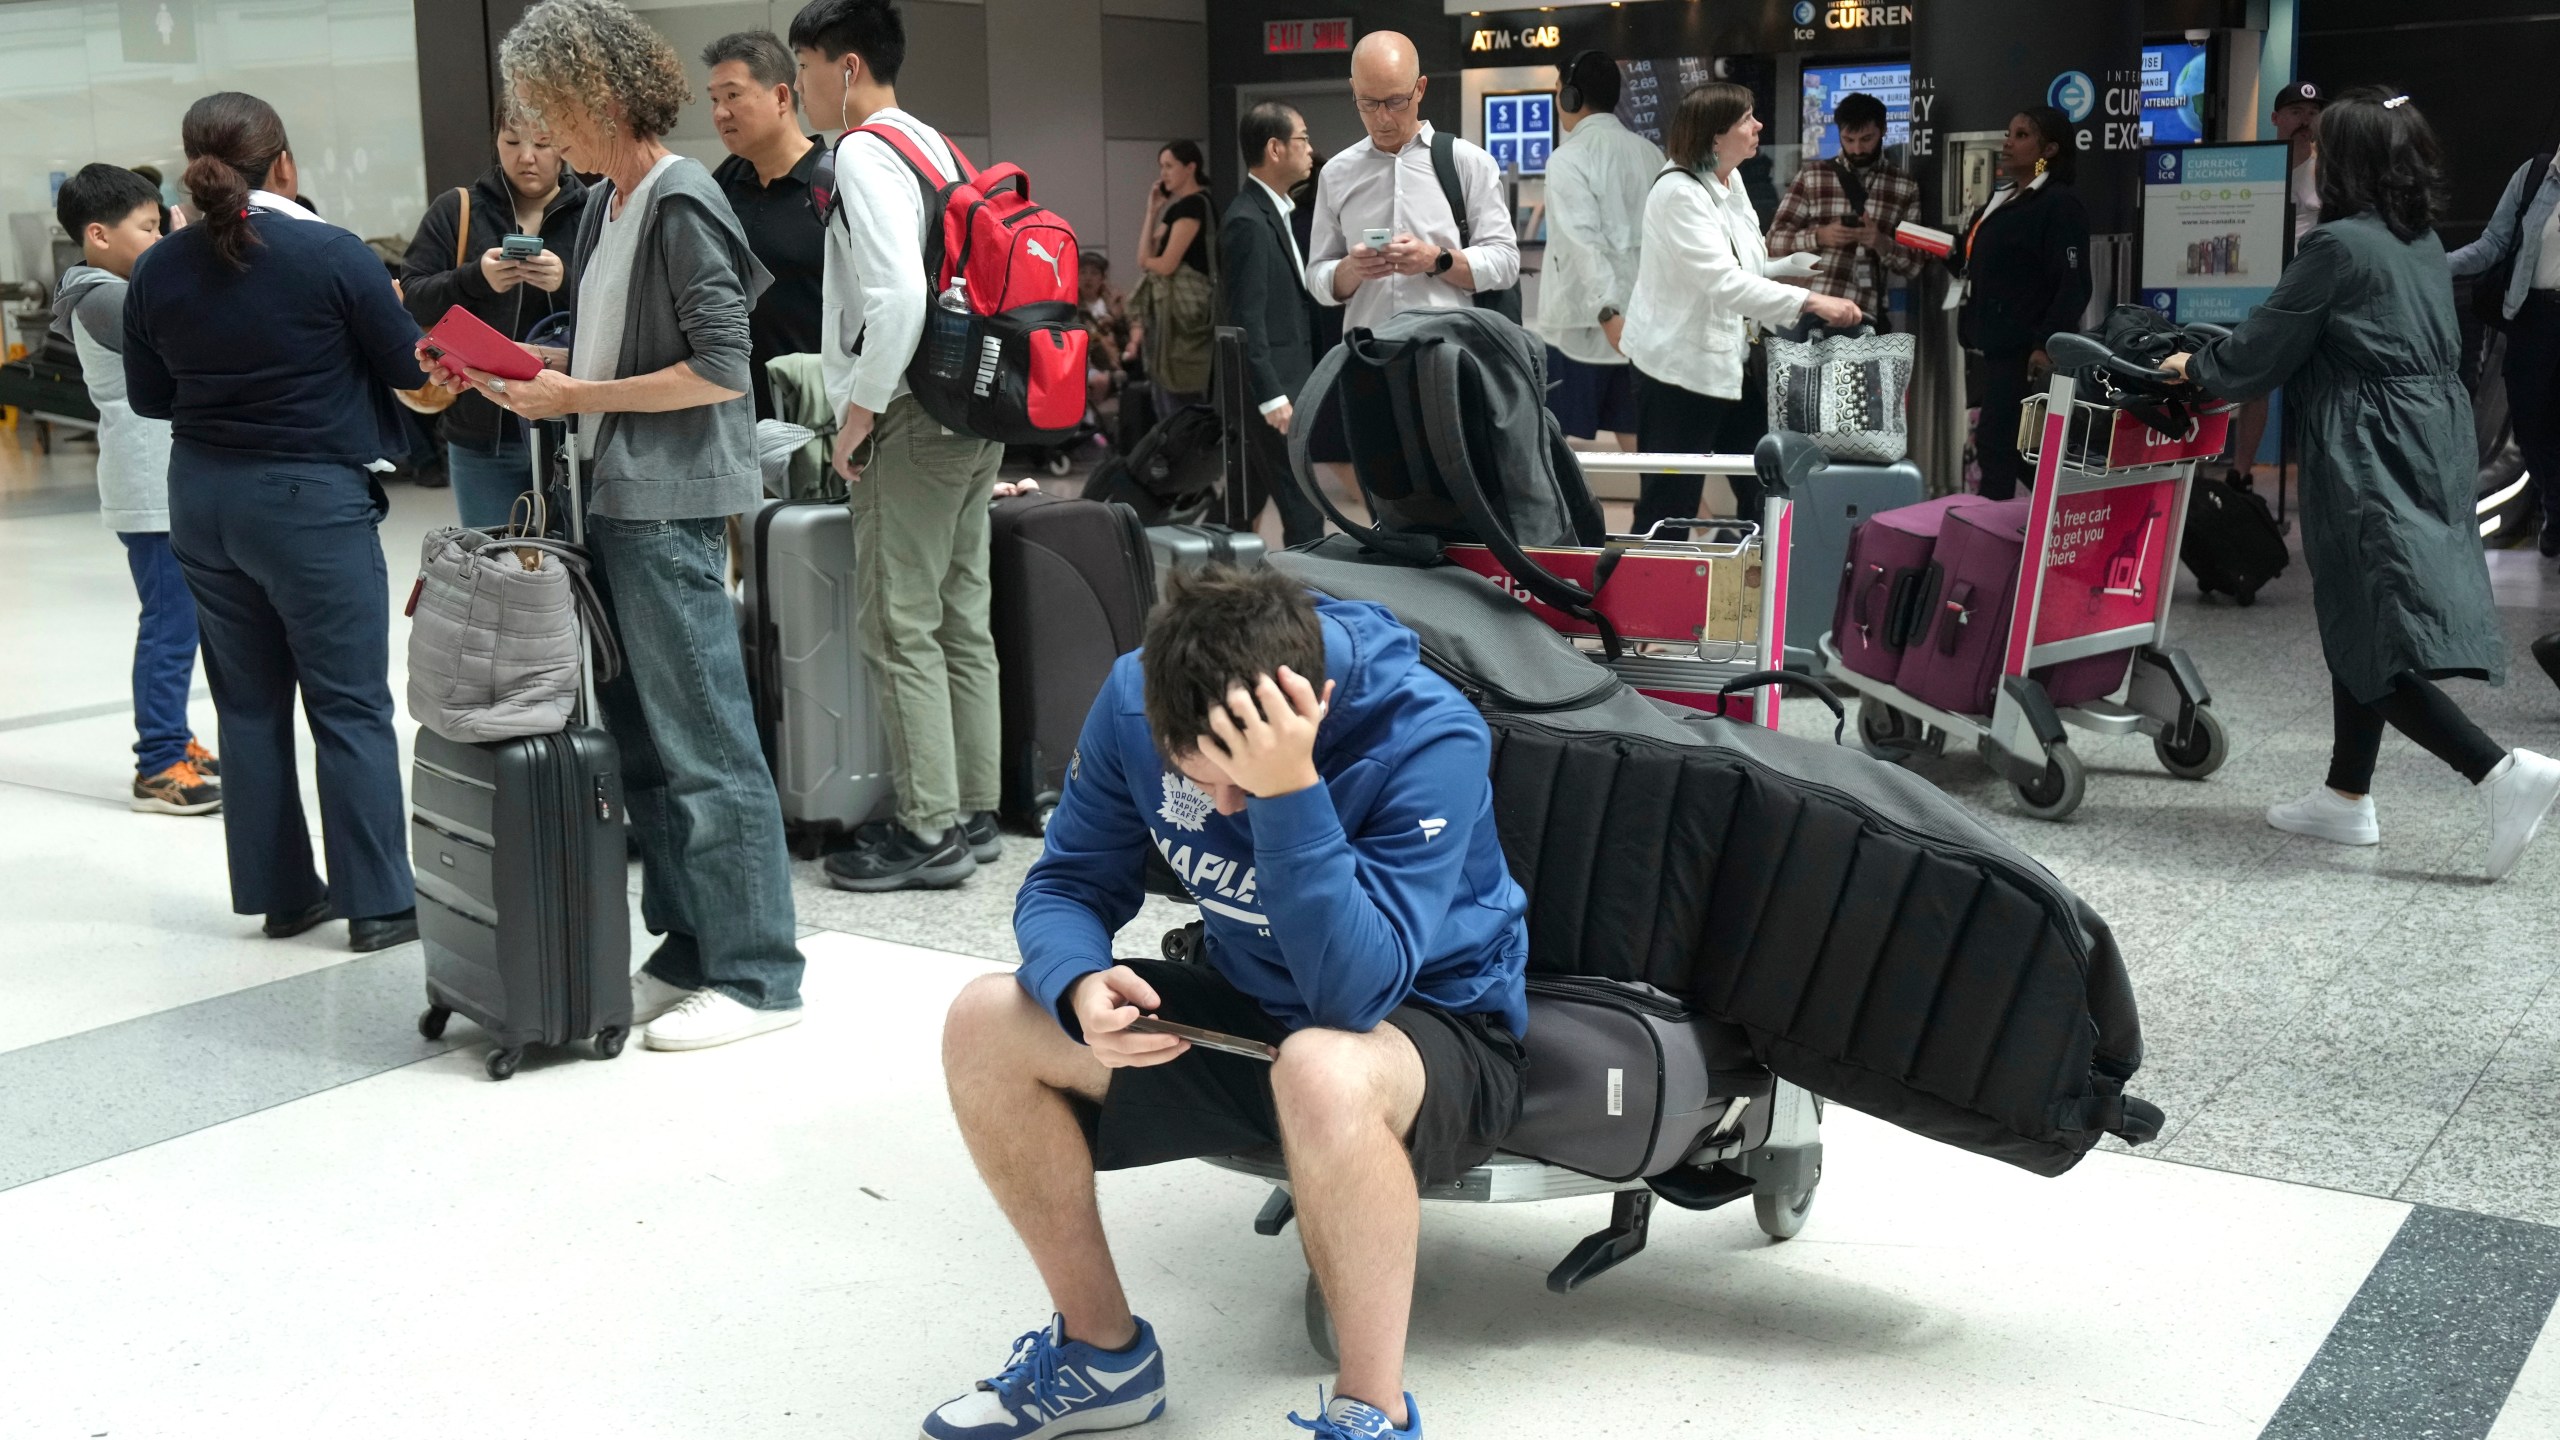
{"points": [[2324, 814], [986, 842], [1051, 1385], [1349, 1419], [903, 860], [179, 790], [652, 997], [203, 760], [2518, 794], [706, 1018]]}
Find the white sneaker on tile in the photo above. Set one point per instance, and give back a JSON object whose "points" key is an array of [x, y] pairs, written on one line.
{"points": [[2518, 795], [706, 1018], [652, 997], [2324, 814]]}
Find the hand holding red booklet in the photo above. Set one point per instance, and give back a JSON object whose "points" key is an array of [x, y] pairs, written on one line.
{"points": [[463, 339]]}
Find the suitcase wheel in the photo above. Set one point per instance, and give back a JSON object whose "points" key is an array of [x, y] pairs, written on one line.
{"points": [[431, 1024], [1781, 1216], [2245, 596], [503, 1063], [609, 1040]]}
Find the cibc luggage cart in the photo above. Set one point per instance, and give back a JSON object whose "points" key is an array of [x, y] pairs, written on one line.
{"points": [[2098, 568]]}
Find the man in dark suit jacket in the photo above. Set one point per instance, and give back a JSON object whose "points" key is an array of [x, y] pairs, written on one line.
{"points": [[1266, 296]]}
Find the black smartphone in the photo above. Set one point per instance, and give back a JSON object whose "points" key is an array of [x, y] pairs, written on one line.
{"points": [[1207, 1039]]}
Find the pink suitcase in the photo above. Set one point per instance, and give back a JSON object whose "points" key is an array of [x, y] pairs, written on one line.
{"points": [[1954, 658], [1881, 585]]}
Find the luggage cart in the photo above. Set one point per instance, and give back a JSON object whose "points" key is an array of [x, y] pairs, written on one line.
{"points": [[2101, 556], [1694, 614]]}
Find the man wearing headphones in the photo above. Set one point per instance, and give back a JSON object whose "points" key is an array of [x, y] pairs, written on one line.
{"points": [[1596, 183]]}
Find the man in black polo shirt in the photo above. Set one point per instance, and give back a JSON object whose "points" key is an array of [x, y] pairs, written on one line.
{"points": [[766, 178]]}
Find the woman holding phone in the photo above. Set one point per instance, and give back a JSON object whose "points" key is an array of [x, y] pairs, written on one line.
{"points": [[527, 202], [1176, 295]]}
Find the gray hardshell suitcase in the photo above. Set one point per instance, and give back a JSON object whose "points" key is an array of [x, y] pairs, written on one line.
{"points": [[815, 704], [522, 861], [1190, 547], [1831, 498]]}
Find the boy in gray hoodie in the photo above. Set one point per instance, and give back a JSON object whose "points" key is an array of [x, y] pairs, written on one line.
{"points": [[115, 215]]}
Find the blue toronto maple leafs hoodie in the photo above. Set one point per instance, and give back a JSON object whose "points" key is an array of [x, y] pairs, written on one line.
{"points": [[1330, 906]]}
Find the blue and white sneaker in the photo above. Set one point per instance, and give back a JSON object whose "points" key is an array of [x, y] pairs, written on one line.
{"points": [[1349, 1419], [1056, 1386]]}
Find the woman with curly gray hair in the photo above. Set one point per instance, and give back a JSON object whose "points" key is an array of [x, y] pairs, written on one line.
{"points": [[661, 281]]}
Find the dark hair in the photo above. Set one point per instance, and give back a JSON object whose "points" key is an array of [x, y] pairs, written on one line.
{"points": [[1216, 628], [872, 29], [1857, 111], [1187, 152], [1271, 120], [102, 195], [232, 141], [1596, 76], [2378, 154], [759, 50], [2055, 127], [1707, 111]]}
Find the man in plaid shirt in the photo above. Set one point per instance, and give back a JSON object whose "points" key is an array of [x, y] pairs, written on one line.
{"points": [[1820, 215]]}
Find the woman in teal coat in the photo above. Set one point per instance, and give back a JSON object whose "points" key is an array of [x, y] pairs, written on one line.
{"points": [[2361, 335]]}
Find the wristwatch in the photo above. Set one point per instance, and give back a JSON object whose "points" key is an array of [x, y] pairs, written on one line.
{"points": [[1609, 313], [1447, 258]]}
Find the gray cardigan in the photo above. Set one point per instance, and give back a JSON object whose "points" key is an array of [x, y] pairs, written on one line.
{"points": [[692, 284]]}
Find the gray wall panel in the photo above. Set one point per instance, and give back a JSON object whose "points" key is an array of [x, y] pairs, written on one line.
{"points": [[1155, 80], [1044, 100]]}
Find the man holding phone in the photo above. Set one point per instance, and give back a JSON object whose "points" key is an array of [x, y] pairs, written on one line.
{"points": [[1324, 797]]}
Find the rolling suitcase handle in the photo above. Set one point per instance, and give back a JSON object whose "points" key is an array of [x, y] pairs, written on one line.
{"points": [[1234, 445]]}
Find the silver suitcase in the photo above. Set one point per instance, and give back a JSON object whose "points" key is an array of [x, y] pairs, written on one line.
{"points": [[815, 707]]}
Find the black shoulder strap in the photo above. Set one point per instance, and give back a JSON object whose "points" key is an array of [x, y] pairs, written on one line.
{"points": [[1444, 165], [1850, 183]]}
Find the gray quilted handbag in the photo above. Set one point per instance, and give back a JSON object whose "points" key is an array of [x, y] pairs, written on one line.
{"points": [[493, 639], [1845, 389]]}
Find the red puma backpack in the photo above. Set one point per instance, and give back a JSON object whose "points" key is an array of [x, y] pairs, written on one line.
{"points": [[1010, 368]]}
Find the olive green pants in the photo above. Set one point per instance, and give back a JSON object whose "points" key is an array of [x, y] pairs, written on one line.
{"points": [[920, 568]]}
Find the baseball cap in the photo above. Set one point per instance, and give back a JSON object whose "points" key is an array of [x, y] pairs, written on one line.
{"points": [[2300, 92]]}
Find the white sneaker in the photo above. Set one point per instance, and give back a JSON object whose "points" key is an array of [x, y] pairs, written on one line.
{"points": [[2519, 794], [652, 997], [2324, 814], [705, 1018]]}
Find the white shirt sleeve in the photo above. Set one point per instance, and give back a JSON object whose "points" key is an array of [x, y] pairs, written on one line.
{"points": [[883, 228], [1698, 255], [1325, 247], [1493, 251]]}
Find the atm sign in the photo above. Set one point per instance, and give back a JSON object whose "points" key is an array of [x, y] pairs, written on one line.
{"points": [[1306, 37]]}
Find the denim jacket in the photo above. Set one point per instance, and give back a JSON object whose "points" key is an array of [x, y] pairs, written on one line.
{"points": [[2501, 236]]}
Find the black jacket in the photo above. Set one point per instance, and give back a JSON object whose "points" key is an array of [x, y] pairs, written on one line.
{"points": [[1266, 295], [430, 283], [2029, 263]]}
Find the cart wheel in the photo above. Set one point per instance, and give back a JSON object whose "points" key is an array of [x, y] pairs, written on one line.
{"points": [[1060, 462], [2206, 748], [503, 1063], [609, 1040], [1884, 732], [431, 1024], [2245, 596], [1320, 1323], [1933, 741], [1781, 1216], [2057, 792]]}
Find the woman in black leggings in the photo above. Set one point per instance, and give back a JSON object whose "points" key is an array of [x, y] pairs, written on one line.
{"points": [[2361, 333]]}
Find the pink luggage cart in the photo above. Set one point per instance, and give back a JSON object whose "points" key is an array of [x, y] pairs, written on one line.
{"points": [[2100, 558]]}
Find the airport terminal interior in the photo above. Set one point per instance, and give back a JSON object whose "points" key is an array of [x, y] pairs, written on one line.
{"points": [[244, 1196]]}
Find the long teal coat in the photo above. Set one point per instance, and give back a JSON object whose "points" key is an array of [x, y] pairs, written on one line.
{"points": [[2361, 334]]}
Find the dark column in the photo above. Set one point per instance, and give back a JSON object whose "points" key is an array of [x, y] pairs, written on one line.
{"points": [[458, 84], [1975, 63]]}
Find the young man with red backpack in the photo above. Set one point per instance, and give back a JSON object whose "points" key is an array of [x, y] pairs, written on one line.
{"points": [[919, 489]]}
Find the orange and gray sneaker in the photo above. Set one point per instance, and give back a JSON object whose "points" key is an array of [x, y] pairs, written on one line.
{"points": [[203, 760], [179, 790]]}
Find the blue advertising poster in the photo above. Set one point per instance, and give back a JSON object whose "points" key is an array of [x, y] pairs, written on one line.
{"points": [[1519, 129], [2213, 229], [2173, 90], [1825, 84]]}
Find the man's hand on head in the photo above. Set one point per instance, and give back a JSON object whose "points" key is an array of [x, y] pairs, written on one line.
{"points": [[1106, 1003], [1265, 737]]}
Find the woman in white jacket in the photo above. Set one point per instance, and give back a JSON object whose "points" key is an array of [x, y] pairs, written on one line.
{"points": [[1704, 289]]}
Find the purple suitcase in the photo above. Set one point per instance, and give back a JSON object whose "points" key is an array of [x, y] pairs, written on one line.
{"points": [[1880, 586], [1957, 648]]}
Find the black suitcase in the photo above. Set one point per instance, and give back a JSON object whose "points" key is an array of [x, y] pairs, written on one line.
{"points": [[1072, 581], [524, 906], [2232, 544]]}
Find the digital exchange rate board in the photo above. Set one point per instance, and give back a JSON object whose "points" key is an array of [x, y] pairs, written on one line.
{"points": [[1520, 129]]}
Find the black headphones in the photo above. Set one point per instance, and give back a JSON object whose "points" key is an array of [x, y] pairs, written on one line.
{"points": [[1568, 94]]}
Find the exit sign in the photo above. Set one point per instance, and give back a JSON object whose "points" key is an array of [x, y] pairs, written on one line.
{"points": [[1306, 37]]}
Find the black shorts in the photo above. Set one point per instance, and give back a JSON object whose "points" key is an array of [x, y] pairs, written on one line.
{"points": [[1209, 1103]]}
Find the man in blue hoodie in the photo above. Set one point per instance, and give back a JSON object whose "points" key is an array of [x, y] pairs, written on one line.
{"points": [[1324, 797]]}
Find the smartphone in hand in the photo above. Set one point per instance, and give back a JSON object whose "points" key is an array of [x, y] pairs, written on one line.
{"points": [[1219, 1041]]}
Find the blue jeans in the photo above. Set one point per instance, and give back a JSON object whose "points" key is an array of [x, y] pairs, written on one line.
{"points": [[715, 879], [164, 652], [291, 590], [487, 482]]}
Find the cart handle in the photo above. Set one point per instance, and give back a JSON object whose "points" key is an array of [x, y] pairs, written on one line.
{"points": [[1759, 679], [2071, 350]]}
